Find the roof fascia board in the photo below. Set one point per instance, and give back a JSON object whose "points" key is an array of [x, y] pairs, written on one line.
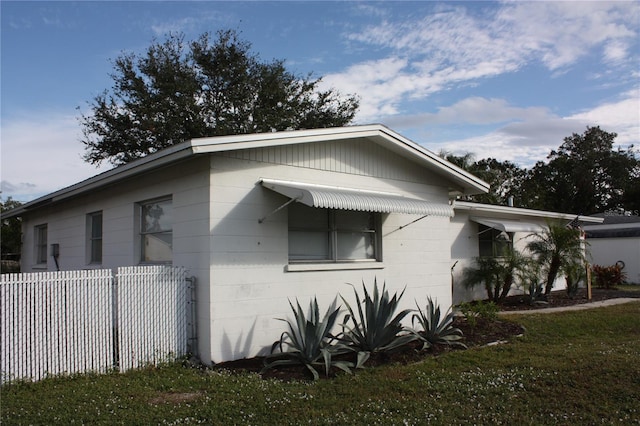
{"points": [[266, 140], [518, 211], [149, 162], [468, 183], [462, 176], [612, 226]]}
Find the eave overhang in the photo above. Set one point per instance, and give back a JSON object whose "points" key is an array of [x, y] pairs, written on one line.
{"points": [[488, 210], [460, 181]]}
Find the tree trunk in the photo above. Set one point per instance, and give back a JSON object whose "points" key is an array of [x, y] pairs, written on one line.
{"points": [[489, 289], [551, 276], [506, 286]]}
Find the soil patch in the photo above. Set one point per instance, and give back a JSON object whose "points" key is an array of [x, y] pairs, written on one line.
{"points": [[560, 298], [483, 332]]}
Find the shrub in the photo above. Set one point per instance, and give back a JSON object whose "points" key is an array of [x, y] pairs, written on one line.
{"points": [[434, 329], [529, 277], [608, 276], [555, 248], [308, 341], [574, 273], [473, 311], [375, 329], [496, 274]]}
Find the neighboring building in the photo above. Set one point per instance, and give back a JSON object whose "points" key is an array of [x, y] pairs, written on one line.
{"points": [[616, 240], [483, 230], [259, 219]]}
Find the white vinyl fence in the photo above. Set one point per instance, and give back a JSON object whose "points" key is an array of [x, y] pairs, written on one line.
{"points": [[92, 321]]}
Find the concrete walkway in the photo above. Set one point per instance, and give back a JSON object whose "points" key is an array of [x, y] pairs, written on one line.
{"points": [[580, 307]]}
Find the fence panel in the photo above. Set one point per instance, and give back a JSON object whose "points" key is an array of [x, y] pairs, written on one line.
{"points": [[55, 323], [152, 315], [79, 321]]}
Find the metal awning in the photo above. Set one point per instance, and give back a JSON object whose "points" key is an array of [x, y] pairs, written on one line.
{"points": [[333, 197], [507, 225]]}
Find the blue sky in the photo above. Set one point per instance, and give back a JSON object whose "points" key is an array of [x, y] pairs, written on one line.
{"points": [[505, 80]]}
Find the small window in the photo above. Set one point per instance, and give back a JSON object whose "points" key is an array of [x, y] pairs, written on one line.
{"points": [[94, 228], [325, 235], [156, 231], [493, 242], [41, 244]]}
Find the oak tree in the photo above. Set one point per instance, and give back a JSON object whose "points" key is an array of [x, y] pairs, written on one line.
{"points": [[212, 86]]}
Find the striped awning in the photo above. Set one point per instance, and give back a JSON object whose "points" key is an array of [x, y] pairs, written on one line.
{"points": [[508, 225], [333, 197]]}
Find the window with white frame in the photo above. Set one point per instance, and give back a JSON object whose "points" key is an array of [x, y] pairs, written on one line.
{"points": [[493, 242], [327, 235], [156, 230], [94, 232], [40, 234]]}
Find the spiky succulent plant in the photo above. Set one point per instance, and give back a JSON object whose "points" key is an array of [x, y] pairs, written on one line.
{"points": [[433, 329], [308, 341]]}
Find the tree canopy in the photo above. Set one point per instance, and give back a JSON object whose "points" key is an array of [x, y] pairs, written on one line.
{"points": [[585, 175], [11, 236], [213, 86]]}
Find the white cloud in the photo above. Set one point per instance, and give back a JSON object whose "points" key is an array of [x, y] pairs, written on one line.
{"points": [[204, 20], [474, 110], [381, 83], [41, 153], [621, 117], [522, 142], [456, 45], [500, 146], [532, 133]]}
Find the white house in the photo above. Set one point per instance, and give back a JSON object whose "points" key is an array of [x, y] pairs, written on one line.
{"points": [[261, 218], [482, 229], [616, 240]]}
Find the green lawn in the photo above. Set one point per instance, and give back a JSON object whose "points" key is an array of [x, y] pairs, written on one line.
{"points": [[629, 287], [579, 367]]}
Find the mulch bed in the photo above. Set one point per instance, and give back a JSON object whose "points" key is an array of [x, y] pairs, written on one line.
{"points": [[560, 299], [483, 332]]}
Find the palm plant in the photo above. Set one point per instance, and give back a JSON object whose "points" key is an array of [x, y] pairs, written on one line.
{"points": [[574, 273], [374, 327], [308, 341], [496, 274], [556, 248], [529, 277], [433, 329]]}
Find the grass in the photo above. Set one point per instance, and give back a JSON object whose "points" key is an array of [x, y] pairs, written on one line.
{"points": [[580, 367], [629, 287]]}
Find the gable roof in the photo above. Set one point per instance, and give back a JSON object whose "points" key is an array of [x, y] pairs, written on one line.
{"points": [[614, 226], [460, 181]]}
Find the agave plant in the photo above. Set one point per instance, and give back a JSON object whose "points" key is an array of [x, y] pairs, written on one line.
{"points": [[373, 327], [308, 341], [434, 329]]}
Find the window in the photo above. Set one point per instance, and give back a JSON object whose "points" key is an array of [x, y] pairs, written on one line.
{"points": [[493, 242], [325, 235], [41, 244], [94, 231], [156, 231]]}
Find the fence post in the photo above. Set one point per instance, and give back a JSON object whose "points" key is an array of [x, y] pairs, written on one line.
{"points": [[192, 342], [114, 322], [588, 281]]}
